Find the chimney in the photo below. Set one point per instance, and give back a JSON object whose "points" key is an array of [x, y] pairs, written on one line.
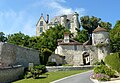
{"points": [[47, 18], [66, 37]]}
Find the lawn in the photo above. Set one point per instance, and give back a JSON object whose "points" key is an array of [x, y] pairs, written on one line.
{"points": [[51, 76]]}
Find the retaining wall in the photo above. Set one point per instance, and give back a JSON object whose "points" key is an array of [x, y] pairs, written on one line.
{"points": [[10, 74], [66, 68]]}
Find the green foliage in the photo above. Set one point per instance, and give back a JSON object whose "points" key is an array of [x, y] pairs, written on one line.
{"points": [[99, 63], [18, 39], [113, 61], [115, 37], [35, 72], [104, 70], [89, 23], [45, 53], [82, 36], [2, 37], [51, 36], [106, 25], [52, 76], [51, 64]]}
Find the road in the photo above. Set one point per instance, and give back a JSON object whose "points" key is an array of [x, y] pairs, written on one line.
{"points": [[78, 78]]}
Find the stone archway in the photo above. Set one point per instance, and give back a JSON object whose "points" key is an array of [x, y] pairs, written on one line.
{"points": [[86, 58]]}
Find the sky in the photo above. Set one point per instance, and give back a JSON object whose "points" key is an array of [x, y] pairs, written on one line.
{"points": [[23, 15]]}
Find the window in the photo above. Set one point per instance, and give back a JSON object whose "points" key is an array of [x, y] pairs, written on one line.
{"points": [[41, 23], [41, 29]]}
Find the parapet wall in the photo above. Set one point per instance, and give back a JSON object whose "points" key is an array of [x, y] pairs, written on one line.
{"points": [[10, 74]]}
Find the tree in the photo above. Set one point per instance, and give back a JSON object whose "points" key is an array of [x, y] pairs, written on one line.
{"points": [[2, 37], [18, 39], [115, 37], [82, 36], [91, 23], [106, 25], [49, 38]]}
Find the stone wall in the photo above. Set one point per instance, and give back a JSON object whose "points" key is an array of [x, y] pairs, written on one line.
{"points": [[68, 68], [75, 57], [57, 58], [16, 55], [10, 74]]}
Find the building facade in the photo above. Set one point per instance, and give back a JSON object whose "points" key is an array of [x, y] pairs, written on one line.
{"points": [[84, 54], [69, 21]]}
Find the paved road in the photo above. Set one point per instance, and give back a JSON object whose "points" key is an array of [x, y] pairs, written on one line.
{"points": [[79, 78]]}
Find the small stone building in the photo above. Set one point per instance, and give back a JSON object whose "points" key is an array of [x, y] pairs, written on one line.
{"points": [[78, 54]]}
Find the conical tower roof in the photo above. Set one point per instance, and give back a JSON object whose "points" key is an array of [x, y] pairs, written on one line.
{"points": [[99, 29]]}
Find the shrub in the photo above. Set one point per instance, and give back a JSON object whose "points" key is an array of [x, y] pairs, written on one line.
{"points": [[51, 64], [44, 56], [35, 71], [99, 63], [40, 67], [113, 61], [104, 70]]}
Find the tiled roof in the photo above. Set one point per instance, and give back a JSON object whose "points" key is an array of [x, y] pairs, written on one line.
{"points": [[99, 29], [72, 42]]}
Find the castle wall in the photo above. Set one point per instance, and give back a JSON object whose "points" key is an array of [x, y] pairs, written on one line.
{"points": [[16, 55]]}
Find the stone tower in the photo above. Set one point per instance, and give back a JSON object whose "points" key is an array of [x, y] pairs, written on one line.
{"points": [[75, 23], [63, 19], [100, 39]]}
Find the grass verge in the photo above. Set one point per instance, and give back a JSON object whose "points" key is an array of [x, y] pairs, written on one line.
{"points": [[52, 76]]}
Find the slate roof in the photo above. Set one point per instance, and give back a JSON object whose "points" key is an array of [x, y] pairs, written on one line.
{"points": [[69, 17]]}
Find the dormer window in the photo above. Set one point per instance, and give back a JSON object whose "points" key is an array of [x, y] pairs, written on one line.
{"points": [[41, 23]]}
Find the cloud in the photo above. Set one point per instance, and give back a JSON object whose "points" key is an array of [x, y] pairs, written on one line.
{"points": [[24, 20], [57, 8]]}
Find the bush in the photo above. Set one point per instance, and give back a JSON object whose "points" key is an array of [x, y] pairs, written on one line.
{"points": [[40, 67], [44, 56], [99, 63], [113, 61], [104, 70], [35, 71], [51, 64]]}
